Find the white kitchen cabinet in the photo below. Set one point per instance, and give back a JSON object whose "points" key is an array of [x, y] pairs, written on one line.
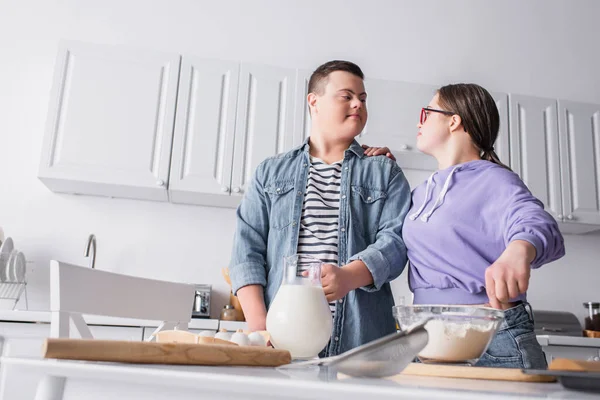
{"points": [[264, 122], [302, 123], [502, 145], [110, 121], [394, 108], [230, 118], [201, 163], [535, 148], [580, 161], [555, 149]]}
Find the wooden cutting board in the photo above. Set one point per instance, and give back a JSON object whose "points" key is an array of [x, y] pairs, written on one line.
{"points": [[164, 353], [453, 371]]}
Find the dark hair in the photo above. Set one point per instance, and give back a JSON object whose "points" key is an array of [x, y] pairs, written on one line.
{"points": [[318, 79], [478, 112]]}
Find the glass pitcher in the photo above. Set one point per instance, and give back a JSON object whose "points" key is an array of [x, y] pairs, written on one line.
{"points": [[299, 319]]}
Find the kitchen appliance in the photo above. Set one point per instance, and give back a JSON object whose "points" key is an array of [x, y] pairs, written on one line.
{"points": [[561, 336], [557, 323], [592, 319], [201, 306]]}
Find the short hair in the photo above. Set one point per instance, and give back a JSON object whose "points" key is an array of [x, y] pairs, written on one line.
{"points": [[319, 77]]}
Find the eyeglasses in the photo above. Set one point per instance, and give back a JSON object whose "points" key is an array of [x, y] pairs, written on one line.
{"points": [[424, 113]]}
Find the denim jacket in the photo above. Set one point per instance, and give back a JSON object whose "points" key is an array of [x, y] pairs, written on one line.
{"points": [[374, 199]]}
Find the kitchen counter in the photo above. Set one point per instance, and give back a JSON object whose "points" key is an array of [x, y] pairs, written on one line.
{"points": [[44, 317], [98, 380]]}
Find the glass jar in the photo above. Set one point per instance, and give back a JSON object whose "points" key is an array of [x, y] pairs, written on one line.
{"points": [[228, 313], [592, 319], [299, 319]]}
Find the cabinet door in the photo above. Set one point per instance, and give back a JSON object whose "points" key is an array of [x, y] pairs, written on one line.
{"points": [[502, 142], [110, 121], [534, 148], [204, 130], [302, 122], [580, 161], [264, 124], [394, 109]]}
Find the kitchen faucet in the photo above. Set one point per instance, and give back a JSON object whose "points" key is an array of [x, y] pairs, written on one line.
{"points": [[91, 243]]}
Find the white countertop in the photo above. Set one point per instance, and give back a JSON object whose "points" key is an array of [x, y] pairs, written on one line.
{"points": [[114, 380], [44, 317]]}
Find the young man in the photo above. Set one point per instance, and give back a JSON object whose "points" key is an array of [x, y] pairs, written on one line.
{"points": [[328, 199]]}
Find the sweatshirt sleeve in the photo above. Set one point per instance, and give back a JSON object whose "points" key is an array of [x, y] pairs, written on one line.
{"points": [[527, 220]]}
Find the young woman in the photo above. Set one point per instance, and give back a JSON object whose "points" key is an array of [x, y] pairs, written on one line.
{"points": [[474, 231]]}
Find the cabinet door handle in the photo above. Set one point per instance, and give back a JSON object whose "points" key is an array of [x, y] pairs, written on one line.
{"points": [[559, 216], [236, 190], [404, 147], [225, 189], [160, 182], [570, 217]]}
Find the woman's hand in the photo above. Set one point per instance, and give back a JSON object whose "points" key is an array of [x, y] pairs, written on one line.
{"points": [[377, 151], [508, 277]]}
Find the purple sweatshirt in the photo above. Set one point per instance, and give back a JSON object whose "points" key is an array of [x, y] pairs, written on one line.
{"points": [[461, 220]]}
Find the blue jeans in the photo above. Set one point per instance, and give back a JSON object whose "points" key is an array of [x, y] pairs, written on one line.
{"points": [[515, 344]]}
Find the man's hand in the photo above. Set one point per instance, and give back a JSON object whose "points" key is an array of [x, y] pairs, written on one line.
{"points": [[377, 151], [251, 298], [508, 277], [335, 282]]}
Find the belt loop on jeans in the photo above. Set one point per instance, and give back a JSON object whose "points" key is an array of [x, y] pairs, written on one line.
{"points": [[529, 311]]}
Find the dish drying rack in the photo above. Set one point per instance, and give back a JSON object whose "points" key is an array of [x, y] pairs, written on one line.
{"points": [[12, 291], [13, 278]]}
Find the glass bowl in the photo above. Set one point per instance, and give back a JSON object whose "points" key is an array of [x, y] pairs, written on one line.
{"points": [[457, 334]]}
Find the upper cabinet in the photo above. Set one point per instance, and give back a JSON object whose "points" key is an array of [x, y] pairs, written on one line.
{"points": [[534, 148], [126, 122], [301, 111], [580, 161], [265, 119], [394, 109], [110, 122], [203, 141], [501, 146], [230, 117], [555, 148]]}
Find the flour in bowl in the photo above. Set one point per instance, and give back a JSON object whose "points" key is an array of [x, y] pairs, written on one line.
{"points": [[456, 342]]}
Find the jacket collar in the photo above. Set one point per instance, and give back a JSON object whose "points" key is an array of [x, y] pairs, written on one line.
{"points": [[354, 147]]}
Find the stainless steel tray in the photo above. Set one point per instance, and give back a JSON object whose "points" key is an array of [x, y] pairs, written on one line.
{"points": [[576, 380]]}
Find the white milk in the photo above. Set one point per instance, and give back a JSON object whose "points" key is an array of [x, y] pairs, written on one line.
{"points": [[299, 320]]}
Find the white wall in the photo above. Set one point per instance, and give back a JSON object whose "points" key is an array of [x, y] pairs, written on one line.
{"points": [[544, 48]]}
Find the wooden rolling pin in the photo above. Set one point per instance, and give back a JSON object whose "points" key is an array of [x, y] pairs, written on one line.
{"points": [[164, 353]]}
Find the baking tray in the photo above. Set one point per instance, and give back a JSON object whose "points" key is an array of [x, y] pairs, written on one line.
{"points": [[576, 380]]}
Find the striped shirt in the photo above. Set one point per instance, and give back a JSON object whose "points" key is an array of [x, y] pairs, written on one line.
{"points": [[320, 213]]}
